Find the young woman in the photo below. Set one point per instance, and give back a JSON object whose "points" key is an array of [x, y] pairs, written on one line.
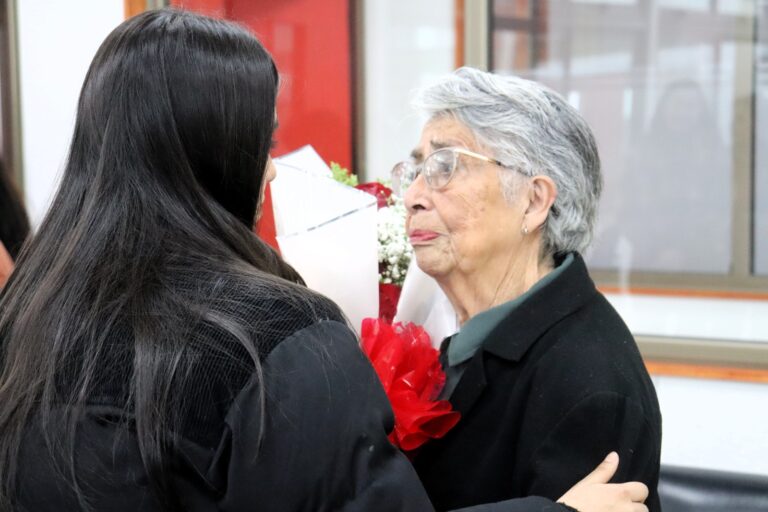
{"points": [[156, 355]]}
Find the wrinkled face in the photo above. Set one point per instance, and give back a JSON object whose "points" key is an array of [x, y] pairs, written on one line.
{"points": [[467, 225]]}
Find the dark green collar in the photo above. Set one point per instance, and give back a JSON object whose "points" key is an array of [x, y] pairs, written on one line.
{"points": [[476, 331]]}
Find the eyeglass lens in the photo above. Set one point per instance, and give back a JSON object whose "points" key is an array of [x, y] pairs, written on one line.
{"points": [[438, 168]]}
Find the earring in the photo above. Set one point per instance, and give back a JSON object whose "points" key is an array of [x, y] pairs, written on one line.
{"points": [[525, 230]]}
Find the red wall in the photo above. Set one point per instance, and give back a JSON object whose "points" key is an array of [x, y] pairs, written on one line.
{"points": [[310, 41], [215, 8]]}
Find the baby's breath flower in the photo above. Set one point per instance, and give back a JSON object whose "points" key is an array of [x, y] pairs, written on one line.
{"points": [[395, 252]]}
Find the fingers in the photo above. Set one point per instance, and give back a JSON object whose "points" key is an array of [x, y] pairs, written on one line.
{"points": [[636, 491], [604, 472], [595, 493]]}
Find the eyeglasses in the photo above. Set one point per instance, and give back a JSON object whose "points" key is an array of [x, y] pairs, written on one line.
{"points": [[438, 169]]}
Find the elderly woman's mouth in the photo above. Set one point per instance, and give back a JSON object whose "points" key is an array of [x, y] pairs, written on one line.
{"points": [[419, 236]]}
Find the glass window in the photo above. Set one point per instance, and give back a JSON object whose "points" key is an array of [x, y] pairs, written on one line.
{"points": [[513, 47], [402, 53], [661, 83], [513, 9], [760, 232]]}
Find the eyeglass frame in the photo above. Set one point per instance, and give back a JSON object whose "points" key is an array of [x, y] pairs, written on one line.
{"points": [[417, 168], [398, 189]]}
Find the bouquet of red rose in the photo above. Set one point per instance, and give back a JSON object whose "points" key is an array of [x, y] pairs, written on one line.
{"points": [[410, 372]]}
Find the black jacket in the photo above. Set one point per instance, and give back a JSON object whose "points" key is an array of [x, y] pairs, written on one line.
{"points": [[324, 444], [558, 384]]}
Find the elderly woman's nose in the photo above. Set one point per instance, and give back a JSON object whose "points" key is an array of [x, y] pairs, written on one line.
{"points": [[416, 194]]}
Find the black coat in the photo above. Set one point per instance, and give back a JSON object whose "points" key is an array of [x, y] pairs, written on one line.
{"points": [[558, 384], [324, 444]]}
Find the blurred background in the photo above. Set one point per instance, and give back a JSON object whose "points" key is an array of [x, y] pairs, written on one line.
{"points": [[676, 92]]}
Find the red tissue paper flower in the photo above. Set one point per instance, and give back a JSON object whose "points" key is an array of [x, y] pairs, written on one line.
{"points": [[410, 372]]}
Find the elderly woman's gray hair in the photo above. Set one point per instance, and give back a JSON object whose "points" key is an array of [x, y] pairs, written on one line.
{"points": [[532, 127]]}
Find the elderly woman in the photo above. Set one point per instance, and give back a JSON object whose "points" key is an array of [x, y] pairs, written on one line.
{"points": [[502, 194]]}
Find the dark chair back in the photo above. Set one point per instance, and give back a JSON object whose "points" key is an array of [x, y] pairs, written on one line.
{"points": [[700, 490]]}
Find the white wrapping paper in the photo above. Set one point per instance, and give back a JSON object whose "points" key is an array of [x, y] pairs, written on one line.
{"points": [[327, 231]]}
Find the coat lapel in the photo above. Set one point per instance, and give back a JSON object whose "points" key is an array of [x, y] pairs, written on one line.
{"points": [[516, 333], [470, 386]]}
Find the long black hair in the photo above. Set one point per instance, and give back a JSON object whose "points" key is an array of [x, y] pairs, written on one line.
{"points": [[156, 204], [14, 224]]}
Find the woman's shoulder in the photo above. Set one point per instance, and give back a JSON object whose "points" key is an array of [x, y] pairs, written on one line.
{"points": [[272, 309], [248, 318], [592, 351], [242, 324]]}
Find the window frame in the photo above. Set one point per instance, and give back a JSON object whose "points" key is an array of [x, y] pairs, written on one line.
{"points": [[10, 104]]}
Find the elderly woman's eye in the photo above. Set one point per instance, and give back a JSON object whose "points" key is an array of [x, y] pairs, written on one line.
{"points": [[444, 168], [442, 163]]}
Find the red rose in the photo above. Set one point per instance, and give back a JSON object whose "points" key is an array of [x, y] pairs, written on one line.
{"points": [[375, 188]]}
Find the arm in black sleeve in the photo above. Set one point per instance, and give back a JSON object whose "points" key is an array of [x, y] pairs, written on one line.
{"points": [[529, 504], [324, 444], [600, 423]]}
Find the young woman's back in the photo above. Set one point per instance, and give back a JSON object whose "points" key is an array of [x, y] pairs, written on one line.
{"points": [[320, 411]]}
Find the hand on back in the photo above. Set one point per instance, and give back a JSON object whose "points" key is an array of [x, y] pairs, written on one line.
{"points": [[595, 494]]}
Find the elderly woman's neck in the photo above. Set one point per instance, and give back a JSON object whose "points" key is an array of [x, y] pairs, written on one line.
{"points": [[494, 284]]}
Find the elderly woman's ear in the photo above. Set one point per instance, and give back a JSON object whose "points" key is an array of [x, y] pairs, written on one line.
{"points": [[542, 193]]}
